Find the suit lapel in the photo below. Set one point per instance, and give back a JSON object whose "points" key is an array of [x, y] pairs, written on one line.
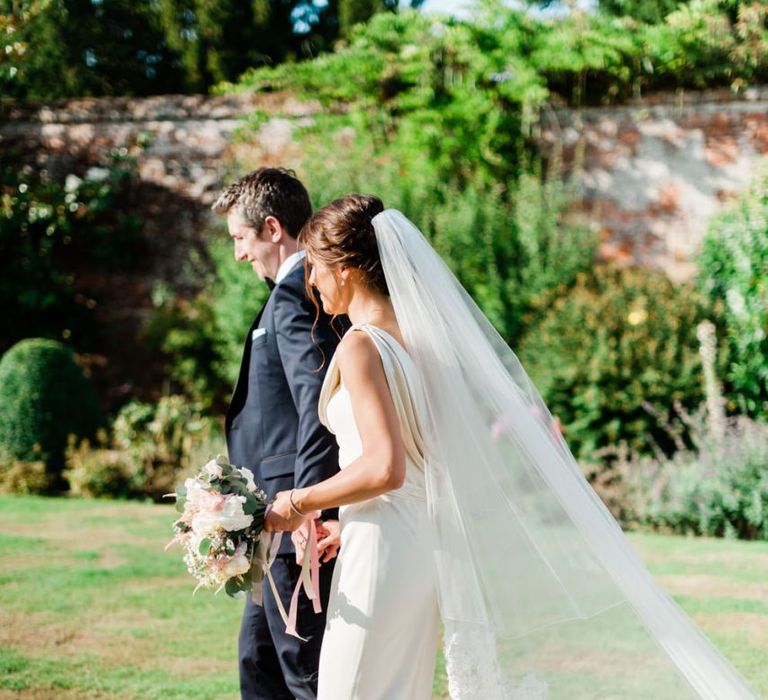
{"points": [[245, 364]]}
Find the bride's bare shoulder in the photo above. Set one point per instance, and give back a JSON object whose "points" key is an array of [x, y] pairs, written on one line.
{"points": [[357, 354]]}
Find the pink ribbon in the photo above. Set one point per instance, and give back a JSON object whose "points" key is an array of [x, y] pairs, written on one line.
{"points": [[309, 578]]}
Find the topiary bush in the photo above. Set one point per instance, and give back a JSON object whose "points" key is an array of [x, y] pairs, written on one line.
{"points": [[733, 268], [44, 398], [615, 353]]}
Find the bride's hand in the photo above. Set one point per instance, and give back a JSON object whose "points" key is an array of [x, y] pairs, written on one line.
{"points": [[329, 539], [280, 515]]}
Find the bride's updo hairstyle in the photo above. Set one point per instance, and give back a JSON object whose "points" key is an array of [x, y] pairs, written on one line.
{"points": [[341, 235]]}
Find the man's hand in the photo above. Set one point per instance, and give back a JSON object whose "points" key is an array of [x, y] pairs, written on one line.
{"points": [[280, 515], [329, 539]]}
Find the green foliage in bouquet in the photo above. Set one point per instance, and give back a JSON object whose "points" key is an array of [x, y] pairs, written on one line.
{"points": [[222, 512], [734, 270], [44, 398], [202, 339], [613, 354]]}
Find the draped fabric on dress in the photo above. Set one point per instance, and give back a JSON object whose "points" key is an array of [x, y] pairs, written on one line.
{"points": [[382, 625], [540, 594]]}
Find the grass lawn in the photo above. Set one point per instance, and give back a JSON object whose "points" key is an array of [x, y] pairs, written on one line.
{"points": [[91, 606]]}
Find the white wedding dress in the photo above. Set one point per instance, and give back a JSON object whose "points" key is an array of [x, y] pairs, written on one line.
{"points": [[541, 597], [382, 630]]}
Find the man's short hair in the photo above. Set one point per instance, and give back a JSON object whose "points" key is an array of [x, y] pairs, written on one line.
{"points": [[268, 192]]}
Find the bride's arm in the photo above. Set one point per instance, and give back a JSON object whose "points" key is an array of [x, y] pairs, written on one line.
{"points": [[381, 466]]}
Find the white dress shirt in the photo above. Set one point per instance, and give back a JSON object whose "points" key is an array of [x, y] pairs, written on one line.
{"points": [[288, 264]]}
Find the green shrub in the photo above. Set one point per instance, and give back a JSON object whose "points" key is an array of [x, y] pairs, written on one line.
{"points": [[100, 471], [23, 477], [734, 269], [150, 447], [202, 339], [613, 354], [719, 488], [44, 398], [49, 232], [163, 441]]}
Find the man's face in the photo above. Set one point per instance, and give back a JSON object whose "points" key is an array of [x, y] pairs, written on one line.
{"points": [[252, 246]]}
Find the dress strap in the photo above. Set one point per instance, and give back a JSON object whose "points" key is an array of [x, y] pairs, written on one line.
{"points": [[331, 384], [404, 386]]}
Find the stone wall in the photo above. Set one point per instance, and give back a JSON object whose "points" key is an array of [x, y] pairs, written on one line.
{"points": [[653, 172], [184, 143], [656, 171], [652, 175]]}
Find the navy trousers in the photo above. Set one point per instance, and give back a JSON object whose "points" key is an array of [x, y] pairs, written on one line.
{"points": [[273, 664]]}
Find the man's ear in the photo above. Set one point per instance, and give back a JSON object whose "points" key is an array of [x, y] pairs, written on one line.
{"points": [[274, 228]]}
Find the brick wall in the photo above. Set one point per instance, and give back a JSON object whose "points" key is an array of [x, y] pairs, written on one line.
{"points": [[653, 172]]}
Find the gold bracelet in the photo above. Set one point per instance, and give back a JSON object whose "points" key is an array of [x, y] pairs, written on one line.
{"points": [[293, 505]]}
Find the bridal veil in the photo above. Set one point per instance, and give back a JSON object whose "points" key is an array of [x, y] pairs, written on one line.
{"points": [[540, 593]]}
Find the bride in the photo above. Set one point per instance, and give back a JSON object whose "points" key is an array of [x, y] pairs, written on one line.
{"points": [[461, 505]]}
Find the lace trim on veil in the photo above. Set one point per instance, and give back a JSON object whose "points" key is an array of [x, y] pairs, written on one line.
{"points": [[472, 670]]}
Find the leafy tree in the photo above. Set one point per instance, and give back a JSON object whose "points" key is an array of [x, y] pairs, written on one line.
{"points": [[218, 39], [14, 49], [50, 231], [733, 266], [352, 12], [651, 11], [119, 47], [81, 47]]}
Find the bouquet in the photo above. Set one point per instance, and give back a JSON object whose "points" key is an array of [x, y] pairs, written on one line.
{"points": [[221, 528]]}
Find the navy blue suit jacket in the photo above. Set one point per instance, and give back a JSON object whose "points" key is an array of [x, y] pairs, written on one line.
{"points": [[272, 425]]}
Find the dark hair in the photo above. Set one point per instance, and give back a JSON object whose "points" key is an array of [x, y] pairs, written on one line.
{"points": [[341, 234], [268, 192]]}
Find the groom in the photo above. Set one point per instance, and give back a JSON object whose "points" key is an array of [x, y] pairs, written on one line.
{"points": [[272, 425]]}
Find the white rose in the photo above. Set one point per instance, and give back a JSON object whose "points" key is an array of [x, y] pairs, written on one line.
{"points": [[248, 474], [229, 517], [213, 469], [193, 489], [236, 566]]}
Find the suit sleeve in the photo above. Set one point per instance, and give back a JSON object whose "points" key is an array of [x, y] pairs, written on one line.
{"points": [[301, 354]]}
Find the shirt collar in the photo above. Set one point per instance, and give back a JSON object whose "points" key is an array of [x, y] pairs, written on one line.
{"points": [[288, 264]]}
